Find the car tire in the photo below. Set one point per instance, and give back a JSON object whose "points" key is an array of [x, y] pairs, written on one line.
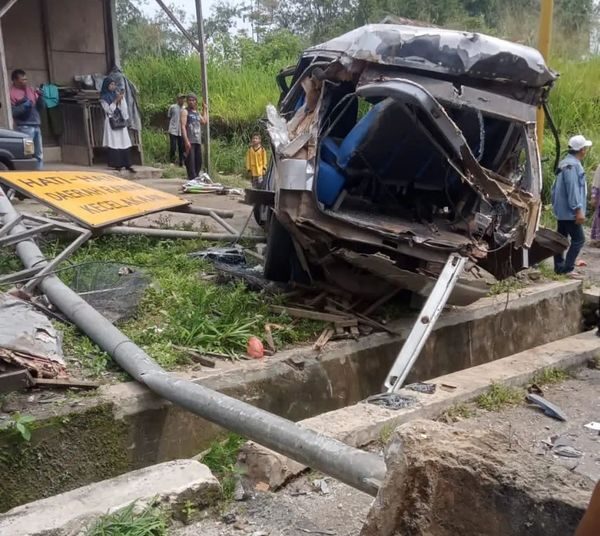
{"points": [[278, 266]]}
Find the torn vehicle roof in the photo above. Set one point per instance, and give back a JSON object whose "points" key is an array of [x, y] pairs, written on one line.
{"points": [[449, 52]]}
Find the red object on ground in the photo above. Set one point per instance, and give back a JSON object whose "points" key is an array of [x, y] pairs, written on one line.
{"points": [[255, 350], [581, 264]]}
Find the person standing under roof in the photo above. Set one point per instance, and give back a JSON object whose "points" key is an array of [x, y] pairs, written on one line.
{"points": [[191, 130], [24, 102], [116, 133], [175, 137], [569, 199]]}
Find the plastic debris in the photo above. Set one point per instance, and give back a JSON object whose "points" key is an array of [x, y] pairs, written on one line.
{"points": [[595, 426], [226, 255], [255, 348], [550, 409], [426, 388]]}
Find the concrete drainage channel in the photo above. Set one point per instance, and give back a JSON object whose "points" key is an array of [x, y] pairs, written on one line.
{"points": [[126, 427]]}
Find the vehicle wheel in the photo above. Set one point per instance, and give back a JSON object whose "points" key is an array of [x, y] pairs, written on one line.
{"points": [[278, 252]]}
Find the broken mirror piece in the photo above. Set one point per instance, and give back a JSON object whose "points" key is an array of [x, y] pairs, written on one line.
{"points": [[28, 339]]}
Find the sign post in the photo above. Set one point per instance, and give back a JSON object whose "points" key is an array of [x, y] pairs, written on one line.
{"points": [[93, 199]]}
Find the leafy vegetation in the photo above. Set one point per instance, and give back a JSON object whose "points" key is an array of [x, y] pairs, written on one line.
{"points": [[498, 397], [180, 308], [150, 521], [22, 424], [551, 376], [221, 459]]}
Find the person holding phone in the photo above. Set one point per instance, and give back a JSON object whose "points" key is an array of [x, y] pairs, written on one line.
{"points": [[116, 121], [191, 130], [25, 103]]}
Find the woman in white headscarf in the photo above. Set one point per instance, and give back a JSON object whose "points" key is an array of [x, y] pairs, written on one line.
{"points": [[595, 242]]}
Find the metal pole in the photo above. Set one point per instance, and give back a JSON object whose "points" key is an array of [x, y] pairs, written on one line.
{"points": [[203, 75], [175, 233], [362, 470], [203, 211], [180, 26], [544, 41]]}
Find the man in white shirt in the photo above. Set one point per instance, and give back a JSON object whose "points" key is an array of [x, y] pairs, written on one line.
{"points": [[176, 139]]}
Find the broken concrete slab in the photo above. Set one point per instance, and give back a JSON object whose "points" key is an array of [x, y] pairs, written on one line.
{"points": [[175, 485], [442, 481], [361, 424]]}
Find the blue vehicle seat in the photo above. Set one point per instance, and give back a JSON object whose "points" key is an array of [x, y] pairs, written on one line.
{"points": [[335, 159]]}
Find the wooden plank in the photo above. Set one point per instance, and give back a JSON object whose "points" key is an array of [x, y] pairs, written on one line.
{"points": [[310, 315], [15, 380], [64, 382], [323, 339], [197, 356]]}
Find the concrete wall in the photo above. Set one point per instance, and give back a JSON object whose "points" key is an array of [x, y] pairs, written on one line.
{"points": [[127, 427], [56, 42]]}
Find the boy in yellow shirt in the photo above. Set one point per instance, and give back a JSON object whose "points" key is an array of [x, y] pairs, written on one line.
{"points": [[256, 161]]}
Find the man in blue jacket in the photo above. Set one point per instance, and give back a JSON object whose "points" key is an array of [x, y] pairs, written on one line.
{"points": [[569, 200]]}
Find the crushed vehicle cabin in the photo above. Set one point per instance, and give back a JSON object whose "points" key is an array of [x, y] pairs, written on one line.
{"points": [[397, 146]]}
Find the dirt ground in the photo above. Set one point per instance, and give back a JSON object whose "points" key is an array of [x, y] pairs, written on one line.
{"points": [[306, 506], [535, 432]]}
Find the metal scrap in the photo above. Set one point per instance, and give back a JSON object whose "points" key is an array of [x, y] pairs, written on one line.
{"points": [[392, 401], [549, 408]]}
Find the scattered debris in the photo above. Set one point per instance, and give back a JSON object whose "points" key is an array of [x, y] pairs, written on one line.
{"points": [[535, 390], [595, 426], [448, 387], [226, 255], [28, 339], [263, 487], [426, 388], [65, 383], [392, 401], [229, 519], [567, 451], [326, 532], [549, 409], [204, 185], [321, 486]]}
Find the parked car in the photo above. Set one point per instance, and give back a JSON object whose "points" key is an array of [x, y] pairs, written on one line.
{"points": [[396, 146], [16, 151]]}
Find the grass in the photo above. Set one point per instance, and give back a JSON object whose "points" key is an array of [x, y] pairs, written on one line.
{"points": [[506, 286], [498, 397], [221, 459], [180, 308], [551, 376], [457, 413], [129, 521]]}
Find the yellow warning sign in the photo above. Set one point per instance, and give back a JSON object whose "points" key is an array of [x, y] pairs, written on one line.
{"points": [[93, 199]]}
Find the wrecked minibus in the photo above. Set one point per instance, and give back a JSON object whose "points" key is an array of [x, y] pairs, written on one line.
{"points": [[396, 146]]}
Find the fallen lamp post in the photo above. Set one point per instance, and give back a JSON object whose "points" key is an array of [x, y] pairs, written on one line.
{"points": [[362, 470]]}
